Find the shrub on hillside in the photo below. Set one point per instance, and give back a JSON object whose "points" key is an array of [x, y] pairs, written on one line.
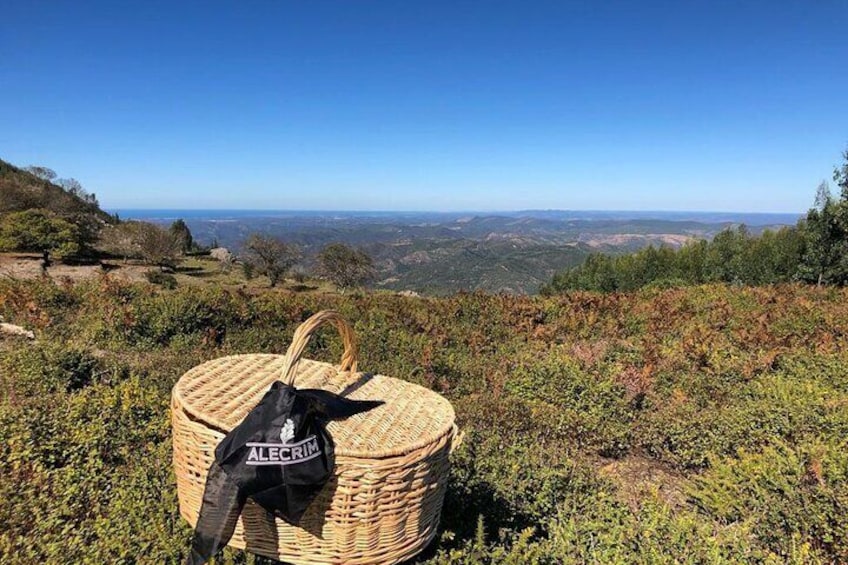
{"points": [[38, 231], [588, 409], [165, 280], [787, 495], [145, 241], [744, 409]]}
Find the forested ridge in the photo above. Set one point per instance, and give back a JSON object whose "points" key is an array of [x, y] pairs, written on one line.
{"points": [[814, 251]]}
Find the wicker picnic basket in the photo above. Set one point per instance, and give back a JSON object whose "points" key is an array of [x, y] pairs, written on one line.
{"points": [[382, 504]]}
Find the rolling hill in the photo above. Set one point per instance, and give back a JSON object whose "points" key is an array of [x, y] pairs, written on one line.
{"points": [[442, 253]]}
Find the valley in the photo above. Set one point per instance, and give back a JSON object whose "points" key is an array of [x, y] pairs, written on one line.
{"points": [[442, 253]]}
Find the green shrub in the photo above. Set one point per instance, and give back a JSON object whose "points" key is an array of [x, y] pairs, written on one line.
{"points": [[771, 408], [589, 409], [738, 397], [158, 277], [788, 496]]}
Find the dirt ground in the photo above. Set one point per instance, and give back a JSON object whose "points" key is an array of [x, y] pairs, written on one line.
{"points": [[190, 272], [636, 475], [26, 266]]}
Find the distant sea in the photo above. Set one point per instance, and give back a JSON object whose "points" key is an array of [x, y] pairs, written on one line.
{"points": [[747, 218]]}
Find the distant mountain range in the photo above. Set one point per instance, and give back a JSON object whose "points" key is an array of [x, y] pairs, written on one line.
{"points": [[439, 252], [747, 218]]}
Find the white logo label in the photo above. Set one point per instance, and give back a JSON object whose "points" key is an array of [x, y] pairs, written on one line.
{"points": [[287, 431], [286, 453]]}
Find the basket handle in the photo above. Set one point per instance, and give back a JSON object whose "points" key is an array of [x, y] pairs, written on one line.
{"points": [[457, 438], [301, 338]]}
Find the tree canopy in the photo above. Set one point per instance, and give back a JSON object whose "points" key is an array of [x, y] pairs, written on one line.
{"points": [[825, 230], [270, 256], [733, 256], [159, 246], [814, 251], [38, 231], [142, 240], [182, 235], [345, 266]]}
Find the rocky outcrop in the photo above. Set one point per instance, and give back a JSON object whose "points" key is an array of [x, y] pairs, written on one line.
{"points": [[13, 330]]}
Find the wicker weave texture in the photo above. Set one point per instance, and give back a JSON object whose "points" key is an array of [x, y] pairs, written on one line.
{"points": [[385, 498]]}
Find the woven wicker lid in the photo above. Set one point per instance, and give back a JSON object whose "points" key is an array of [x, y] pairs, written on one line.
{"points": [[221, 392]]}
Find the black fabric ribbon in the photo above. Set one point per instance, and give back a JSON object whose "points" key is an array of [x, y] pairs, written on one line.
{"points": [[279, 456]]}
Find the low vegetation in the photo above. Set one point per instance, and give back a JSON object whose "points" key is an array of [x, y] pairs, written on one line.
{"points": [[706, 424]]}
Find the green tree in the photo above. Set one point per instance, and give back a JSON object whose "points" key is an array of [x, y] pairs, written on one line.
{"points": [[726, 255], [840, 175], [825, 259], [345, 266], [692, 261], [158, 246], [774, 256], [39, 188], [180, 232], [38, 231], [733, 256], [81, 210], [269, 256]]}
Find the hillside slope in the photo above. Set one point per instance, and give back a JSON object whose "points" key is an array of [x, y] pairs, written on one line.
{"points": [[442, 253], [21, 190]]}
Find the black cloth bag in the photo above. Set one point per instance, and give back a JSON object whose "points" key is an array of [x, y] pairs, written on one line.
{"points": [[279, 456]]}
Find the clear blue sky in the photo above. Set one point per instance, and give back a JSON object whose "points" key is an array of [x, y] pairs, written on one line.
{"points": [[402, 105]]}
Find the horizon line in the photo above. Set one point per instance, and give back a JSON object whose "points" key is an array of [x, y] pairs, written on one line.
{"points": [[468, 211]]}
